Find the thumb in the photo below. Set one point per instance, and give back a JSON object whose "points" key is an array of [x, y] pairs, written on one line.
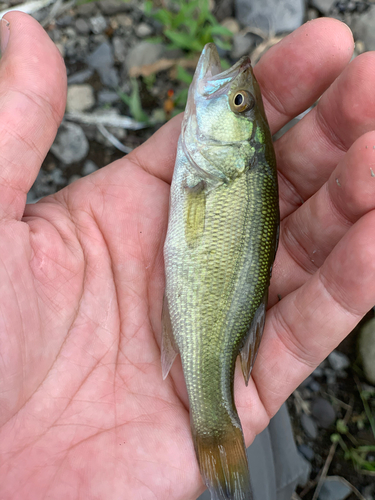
{"points": [[32, 103]]}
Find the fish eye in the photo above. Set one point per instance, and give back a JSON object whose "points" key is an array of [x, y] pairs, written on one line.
{"points": [[242, 101]]}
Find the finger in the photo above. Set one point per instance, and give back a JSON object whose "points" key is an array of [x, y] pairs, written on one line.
{"points": [[302, 329], [32, 103], [310, 150], [292, 75], [310, 233], [296, 71]]}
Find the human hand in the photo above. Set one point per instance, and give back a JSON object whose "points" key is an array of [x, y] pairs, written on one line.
{"points": [[84, 412]]}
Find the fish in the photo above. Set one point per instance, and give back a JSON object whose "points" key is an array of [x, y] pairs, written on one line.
{"points": [[219, 251]]}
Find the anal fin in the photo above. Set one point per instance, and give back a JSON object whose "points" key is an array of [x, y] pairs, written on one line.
{"points": [[169, 348], [250, 349]]}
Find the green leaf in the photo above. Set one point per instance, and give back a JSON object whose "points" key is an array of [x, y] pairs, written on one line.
{"points": [[221, 30], [180, 98], [149, 5], [182, 40], [164, 17], [134, 102], [183, 75], [341, 426], [222, 45]]}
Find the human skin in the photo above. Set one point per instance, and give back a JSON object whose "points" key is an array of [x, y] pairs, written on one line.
{"points": [[84, 412]]}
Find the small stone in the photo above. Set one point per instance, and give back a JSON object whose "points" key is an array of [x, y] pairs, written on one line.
{"points": [[124, 21], [80, 98], [80, 76], [338, 360], [367, 349], [108, 97], [143, 30], [270, 16], [143, 53], [363, 27], [60, 48], [242, 45], [312, 14], [89, 167], [119, 48], [314, 385], [331, 376], [70, 144], [82, 26], [101, 57], [309, 426], [323, 412], [87, 9], [110, 7], [334, 490], [231, 24], [307, 452], [58, 177], [64, 21], [102, 60], [323, 6], [98, 24]]}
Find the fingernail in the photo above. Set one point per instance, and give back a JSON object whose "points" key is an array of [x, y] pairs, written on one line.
{"points": [[4, 35]]}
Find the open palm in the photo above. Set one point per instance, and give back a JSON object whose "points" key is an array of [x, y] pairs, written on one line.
{"points": [[84, 412]]}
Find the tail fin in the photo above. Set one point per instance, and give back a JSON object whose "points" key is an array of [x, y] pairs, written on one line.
{"points": [[223, 464]]}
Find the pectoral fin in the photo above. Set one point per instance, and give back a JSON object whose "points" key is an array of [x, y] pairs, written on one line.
{"points": [[195, 213], [169, 348], [251, 346]]}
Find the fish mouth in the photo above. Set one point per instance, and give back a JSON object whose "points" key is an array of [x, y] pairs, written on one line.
{"points": [[209, 79]]}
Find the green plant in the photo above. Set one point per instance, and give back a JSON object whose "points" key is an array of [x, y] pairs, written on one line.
{"points": [[133, 101], [358, 454], [189, 25]]}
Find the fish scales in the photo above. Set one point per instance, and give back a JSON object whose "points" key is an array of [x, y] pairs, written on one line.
{"points": [[219, 251]]}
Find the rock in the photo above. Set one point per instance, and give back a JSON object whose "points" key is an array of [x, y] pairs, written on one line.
{"points": [[60, 48], [119, 48], [110, 7], [124, 21], [87, 9], [223, 9], [142, 30], [76, 48], [369, 492], [231, 24], [31, 197], [307, 452], [80, 98], [98, 24], [102, 60], [309, 426], [323, 412], [58, 177], [82, 26], [64, 21], [143, 53], [80, 76], [270, 15], [323, 6], [89, 167], [70, 144], [338, 361], [242, 45], [334, 490], [331, 376], [363, 28], [367, 349], [312, 14], [108, 97]]}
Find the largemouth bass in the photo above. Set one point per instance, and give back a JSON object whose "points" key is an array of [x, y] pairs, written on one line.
{"points": [[219, 251]]}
